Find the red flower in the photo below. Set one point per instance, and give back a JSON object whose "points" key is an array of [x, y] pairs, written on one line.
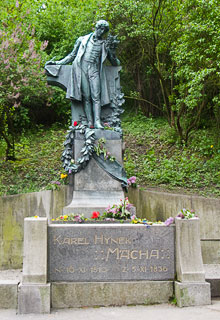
{"points": [[75, 123], [95, 215]]}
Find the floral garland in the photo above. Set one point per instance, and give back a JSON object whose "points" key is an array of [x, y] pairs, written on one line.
{"points": [[69, 164]]}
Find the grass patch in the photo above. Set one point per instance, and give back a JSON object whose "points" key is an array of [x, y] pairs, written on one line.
{"points": [[38, 162]]}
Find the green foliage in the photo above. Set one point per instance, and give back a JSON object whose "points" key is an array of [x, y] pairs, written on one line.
{"points": [[159, 161], [61, 23], [38, 163], [195, 54], [22, 82]]}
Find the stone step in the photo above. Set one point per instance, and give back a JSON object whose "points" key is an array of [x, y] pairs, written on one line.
{"points": [[212, 275], [9, 280]]}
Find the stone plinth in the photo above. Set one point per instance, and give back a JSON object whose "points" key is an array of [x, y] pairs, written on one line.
{"points": [[91, 294], [95, 189], [35, 251], [110, 252], [191, 288], [34, 298], [192, 293]]}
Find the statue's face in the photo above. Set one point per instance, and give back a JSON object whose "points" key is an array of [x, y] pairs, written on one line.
{"points": [[100, 31]]}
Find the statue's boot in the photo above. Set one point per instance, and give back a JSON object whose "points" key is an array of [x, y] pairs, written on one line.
{"points": [[88, 112], [97, 112]]}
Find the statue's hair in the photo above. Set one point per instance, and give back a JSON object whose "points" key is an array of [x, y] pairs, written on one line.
{"points": [[101, 23]]}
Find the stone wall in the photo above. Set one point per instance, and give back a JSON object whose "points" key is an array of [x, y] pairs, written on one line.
{"points": [[13, 210], [150, 204], [155, 205]]}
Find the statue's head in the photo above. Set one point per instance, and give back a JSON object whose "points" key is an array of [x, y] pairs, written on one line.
{"points": [[101, 27]]}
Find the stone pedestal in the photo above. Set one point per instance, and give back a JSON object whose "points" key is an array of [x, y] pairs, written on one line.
{"points": [[34, 298], [35, 251], [191, 288], [192, 293], [34, 291], [95, 189]]}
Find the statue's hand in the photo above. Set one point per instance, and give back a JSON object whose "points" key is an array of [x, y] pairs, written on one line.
{"points": [[51, 62]]}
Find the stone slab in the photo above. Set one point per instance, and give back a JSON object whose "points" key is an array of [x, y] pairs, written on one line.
{"points": [[111, 252], [33, 298], [73, 294], [35, 250], [92, 177], [88, 201], [210, 251], [212, 276], [192, 294], [8, 294]]}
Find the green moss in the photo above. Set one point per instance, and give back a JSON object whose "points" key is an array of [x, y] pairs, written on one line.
{"points": [[11, 255]]}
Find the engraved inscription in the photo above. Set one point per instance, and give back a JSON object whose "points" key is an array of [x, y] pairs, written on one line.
{"points": [[111, 254]]}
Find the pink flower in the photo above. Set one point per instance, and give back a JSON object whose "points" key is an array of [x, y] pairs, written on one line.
{"points": [[17, 95], [169, 221]]}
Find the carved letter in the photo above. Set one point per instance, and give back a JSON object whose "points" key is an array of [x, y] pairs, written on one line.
{"points": [[66, 240], [132, 254], [154, 253], [143, 254], [110, 251], [57, 239], [114, 240], [97, 238], [124, 254]]}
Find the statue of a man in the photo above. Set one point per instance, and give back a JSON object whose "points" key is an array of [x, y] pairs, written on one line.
{"points": [[88, 80]]}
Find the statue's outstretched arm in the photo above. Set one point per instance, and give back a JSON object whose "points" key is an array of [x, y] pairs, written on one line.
{"points": [[69, 58]]}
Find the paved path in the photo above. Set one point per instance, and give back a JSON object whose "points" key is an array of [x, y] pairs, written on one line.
{"points": [[155, 312]]}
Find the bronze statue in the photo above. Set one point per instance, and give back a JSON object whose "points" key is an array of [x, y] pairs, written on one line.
{"points": [[87, 82]]}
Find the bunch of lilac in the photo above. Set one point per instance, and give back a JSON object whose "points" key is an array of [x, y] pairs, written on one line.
{"points": [[56, 182], [169, 221], [183, 214], [186, 214], [131, 181], [76, 217], [122, 211]]}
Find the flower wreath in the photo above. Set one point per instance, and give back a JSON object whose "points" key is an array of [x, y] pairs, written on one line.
{"points": [[69, 164]]}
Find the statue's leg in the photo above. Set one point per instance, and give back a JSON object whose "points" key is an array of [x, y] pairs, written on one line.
{"points": [[86, 95], [95, 86]]}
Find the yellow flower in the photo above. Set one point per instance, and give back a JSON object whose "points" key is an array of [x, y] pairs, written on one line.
{"points": [[36, 217], [211, 146], [53, 219], [125, 158], [65, 217], [63, 176]]}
